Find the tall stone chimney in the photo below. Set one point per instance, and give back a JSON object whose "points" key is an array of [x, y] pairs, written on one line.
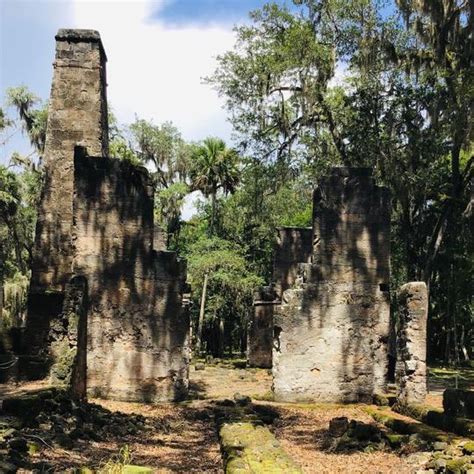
{"points": [[105, 313], [77, 115]]}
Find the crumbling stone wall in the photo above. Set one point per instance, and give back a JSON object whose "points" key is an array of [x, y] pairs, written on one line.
{"points": [[96, 222], [77, 115], [293, 246], [411, 343], [137, 344], [331, 331]]}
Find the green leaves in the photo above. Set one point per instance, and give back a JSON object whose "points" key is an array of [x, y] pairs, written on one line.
{"points": [[213, 166], [34, 120], [162, 147], [231, 284]]}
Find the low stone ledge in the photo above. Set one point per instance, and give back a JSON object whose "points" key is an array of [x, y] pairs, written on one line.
{"points": [[249, 448], [384, 399], [247, 445], [31, 403], [437, 418], [427, 433]]}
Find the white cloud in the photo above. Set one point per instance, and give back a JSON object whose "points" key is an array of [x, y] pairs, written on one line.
{"points": [[156, 71]]}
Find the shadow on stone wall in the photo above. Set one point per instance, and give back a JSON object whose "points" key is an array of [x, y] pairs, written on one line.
{"points": [[339, 317], [137, 330]]}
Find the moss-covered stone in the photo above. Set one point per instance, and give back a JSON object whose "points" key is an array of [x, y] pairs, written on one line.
{"points": [[437, 418], [395, 440], [33, 448], [427, 433], [64, 355], [384, 399], [380, 399], [457, 466], [468, 448], [249, 448], [131, 469], [28, 406]]}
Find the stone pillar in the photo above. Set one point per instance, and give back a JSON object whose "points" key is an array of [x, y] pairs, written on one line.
{"points": [[331, 331], [293, 245], [260, 334], [411, 343], [96, 226], [77, 115], [69, 349]]}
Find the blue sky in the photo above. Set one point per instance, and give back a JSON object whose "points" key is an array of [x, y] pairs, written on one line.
{"points": [[204, 12], [158, 52]]}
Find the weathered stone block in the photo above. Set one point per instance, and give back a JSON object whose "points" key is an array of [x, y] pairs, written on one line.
{"points": [[260, 334], [411, 343], [293, 246], [331, 331]]}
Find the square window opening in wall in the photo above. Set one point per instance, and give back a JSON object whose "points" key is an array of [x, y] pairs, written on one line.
{"points": [[384, 287]]}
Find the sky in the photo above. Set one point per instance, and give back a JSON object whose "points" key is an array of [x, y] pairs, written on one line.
{"points": [[158, 52]]}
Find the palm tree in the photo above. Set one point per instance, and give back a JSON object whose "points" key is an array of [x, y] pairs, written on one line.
{"points": [[214, 167], [34, 120]]}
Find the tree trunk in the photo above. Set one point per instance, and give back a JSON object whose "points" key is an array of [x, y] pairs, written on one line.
{"points": [[1, 302], [229, 338], [197, 349], [452, 296], [243, 341], [463, 345], [213, 212], [220, 342], [409, 245]]}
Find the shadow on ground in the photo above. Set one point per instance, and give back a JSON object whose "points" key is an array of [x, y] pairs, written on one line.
{"points": [[46, 430]]}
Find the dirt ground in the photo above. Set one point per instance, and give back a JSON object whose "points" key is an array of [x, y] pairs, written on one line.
{"points": [[302, 431], [185, 439]]}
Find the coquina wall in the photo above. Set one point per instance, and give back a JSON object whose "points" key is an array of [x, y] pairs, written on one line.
{"points": [[331, 331], [293, 245], [96, 222]]}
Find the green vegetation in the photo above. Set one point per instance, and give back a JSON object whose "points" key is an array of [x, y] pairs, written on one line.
{"points": [[250, 448], [324, 83]]}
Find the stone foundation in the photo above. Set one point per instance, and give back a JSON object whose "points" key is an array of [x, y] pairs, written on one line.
{"points": [[331, 331], [411, 343]]}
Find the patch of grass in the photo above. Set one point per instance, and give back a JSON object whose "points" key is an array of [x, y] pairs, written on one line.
{"points": [[115, 465], [447, 376], [264, 397]]}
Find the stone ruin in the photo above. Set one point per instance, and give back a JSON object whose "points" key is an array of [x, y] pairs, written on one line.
{"points": [[329, 303], [293, 245], [331, 331], [105, 312], [411, 343]]}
